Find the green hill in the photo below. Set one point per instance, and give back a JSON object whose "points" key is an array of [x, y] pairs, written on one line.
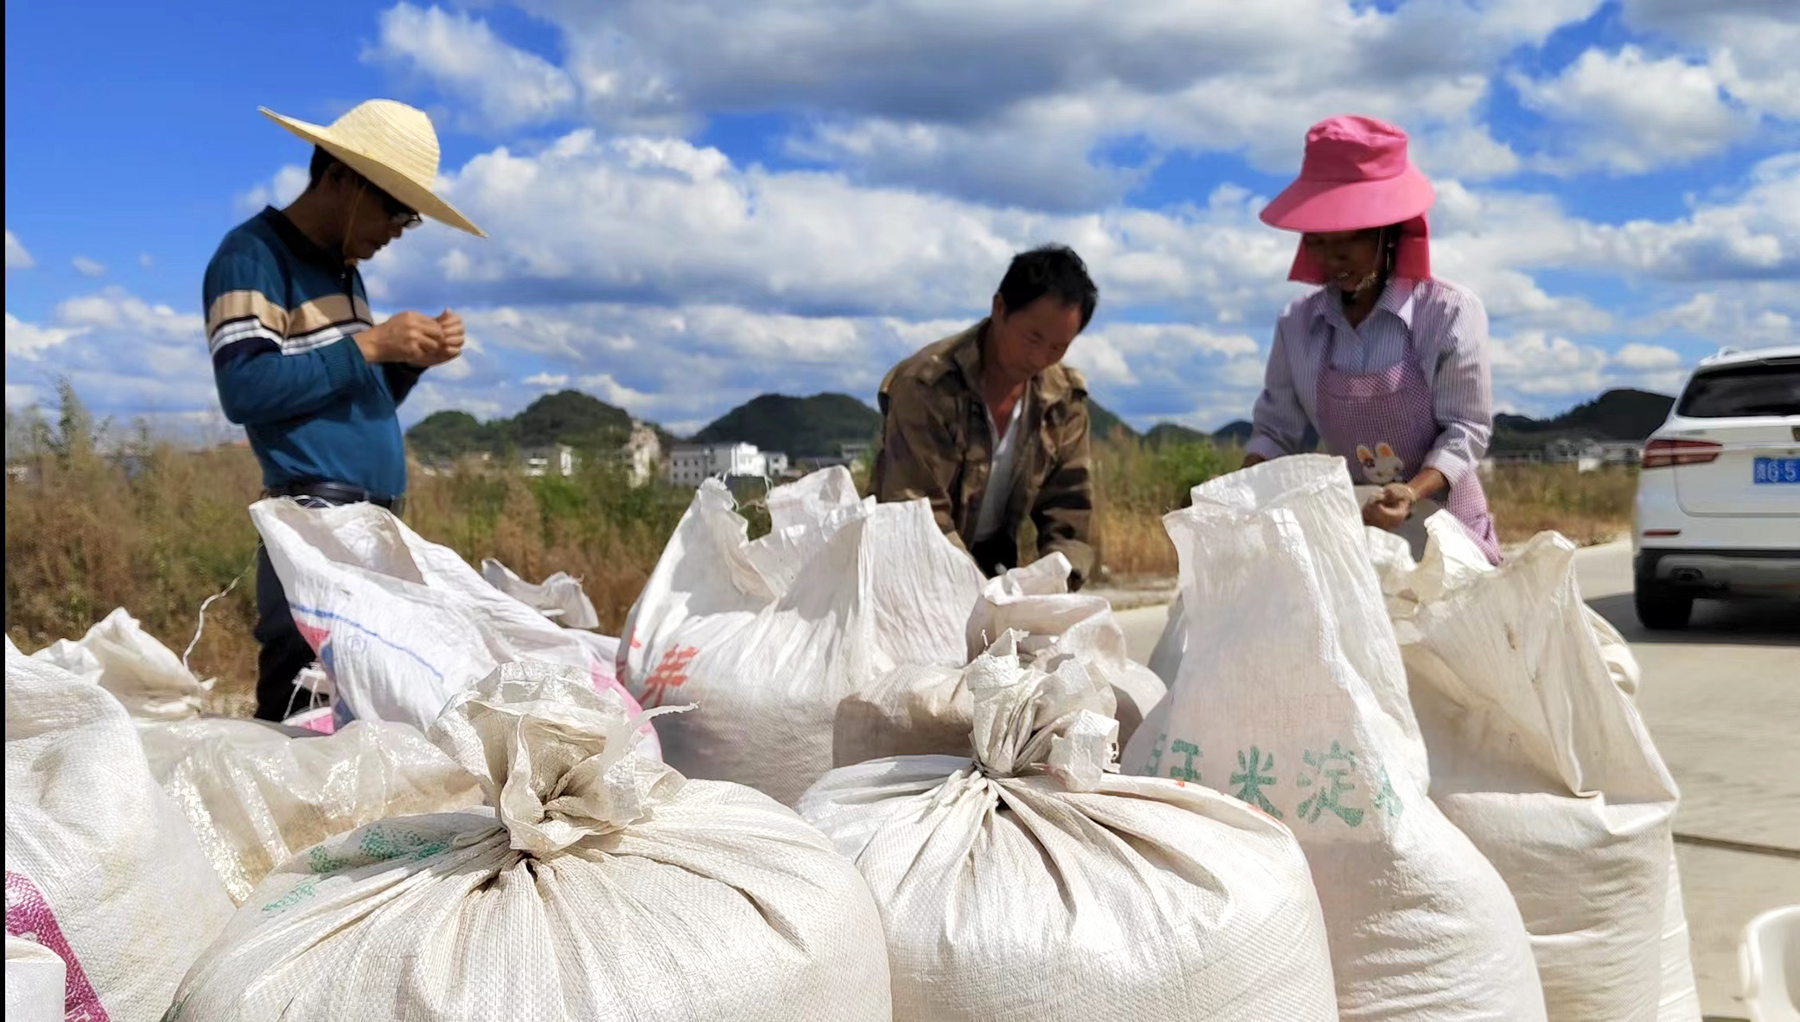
{"points": [[1614, 415], [566, 417], [801, 427], [1102, 423]]}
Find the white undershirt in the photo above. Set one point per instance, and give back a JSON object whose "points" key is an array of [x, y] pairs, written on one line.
{"points": [[1000, 475]]}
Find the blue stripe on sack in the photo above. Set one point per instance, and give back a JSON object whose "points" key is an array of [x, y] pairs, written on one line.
{"points": [[327, 615]]}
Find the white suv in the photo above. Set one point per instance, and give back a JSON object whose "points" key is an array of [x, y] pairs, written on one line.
{"points": [[1718, 498]]}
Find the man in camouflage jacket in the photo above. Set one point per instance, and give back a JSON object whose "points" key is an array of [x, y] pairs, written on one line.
{"points": [[992, 428]]}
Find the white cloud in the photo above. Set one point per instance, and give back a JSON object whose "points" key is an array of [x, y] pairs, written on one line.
{"points": [[1000, 102], [660, 221], [146, 260], [88, 267], [1755, 235], [17, 258], [21, 395], [1646, 356], [30, 341], [1750, 44], [127, 357], [503, 86], [1734, 315], [1631, 113], [548, 381], [283, 188]]}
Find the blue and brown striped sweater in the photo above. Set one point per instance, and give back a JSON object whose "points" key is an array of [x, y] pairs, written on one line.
{"points": [[281, 315]]}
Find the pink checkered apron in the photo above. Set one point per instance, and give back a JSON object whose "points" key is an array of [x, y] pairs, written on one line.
{"points": [[1394, 408]]}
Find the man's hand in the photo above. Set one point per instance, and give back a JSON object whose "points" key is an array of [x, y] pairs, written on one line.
{"points": [[1253, 459], [408, 337], [450, 345], [1390, 508]]}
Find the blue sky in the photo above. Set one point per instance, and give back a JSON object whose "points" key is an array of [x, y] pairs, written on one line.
{"points": [[690, 202]]}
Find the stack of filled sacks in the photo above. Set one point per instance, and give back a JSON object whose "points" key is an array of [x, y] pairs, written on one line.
{"points": [[602, 885], [102, 870], [1292, 697], [1034, 882], [1539, 756], [255, 793], [402, 625], [920, 709], [767, 637]]}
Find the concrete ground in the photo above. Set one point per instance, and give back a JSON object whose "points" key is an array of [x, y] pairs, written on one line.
{"points": [[1722, 701]]}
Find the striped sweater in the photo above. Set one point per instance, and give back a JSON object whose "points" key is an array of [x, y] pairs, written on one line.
{"points": [[281, 315]]}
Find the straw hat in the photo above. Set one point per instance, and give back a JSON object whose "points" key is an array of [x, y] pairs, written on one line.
{"points": [[1356, 174], [391, 144]]}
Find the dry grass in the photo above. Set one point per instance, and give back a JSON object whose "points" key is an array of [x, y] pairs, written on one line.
{"points": [[1587, 507], [84, 535]]}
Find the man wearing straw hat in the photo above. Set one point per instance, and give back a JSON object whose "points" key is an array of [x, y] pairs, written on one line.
{"points": [[299, 360]]}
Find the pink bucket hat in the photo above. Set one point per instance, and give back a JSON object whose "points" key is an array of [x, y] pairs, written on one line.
{"points": [[1356, 175]]}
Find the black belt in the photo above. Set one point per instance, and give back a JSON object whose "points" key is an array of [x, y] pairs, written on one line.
{"points": [[338, 493]]}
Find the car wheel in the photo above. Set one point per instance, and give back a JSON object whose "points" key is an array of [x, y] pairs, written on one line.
{"points": [[1660, 607]]}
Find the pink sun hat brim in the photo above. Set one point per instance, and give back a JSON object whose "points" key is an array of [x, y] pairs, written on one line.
{"points": [[1350, 205]]}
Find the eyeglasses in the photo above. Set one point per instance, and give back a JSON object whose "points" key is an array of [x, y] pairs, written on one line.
{"points": [[399, 214]]}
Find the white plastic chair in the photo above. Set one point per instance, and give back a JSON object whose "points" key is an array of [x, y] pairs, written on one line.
{"points": [[1769, 964]]}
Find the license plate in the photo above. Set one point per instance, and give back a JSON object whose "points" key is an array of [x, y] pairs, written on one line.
{"points": [[1777, 470]]}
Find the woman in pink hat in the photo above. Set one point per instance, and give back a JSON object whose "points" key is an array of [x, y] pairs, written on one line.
{"points": [[1388, 364]]}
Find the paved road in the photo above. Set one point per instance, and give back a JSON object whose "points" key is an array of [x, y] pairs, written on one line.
{"points": [[1722, 701]]}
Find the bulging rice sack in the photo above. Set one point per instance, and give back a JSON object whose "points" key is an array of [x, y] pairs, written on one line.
{"points": [[766, 637], [34, 982], [921, 709], [1538, 755], [401, 625], [1033, 883], [147, 678], [559, 597], [257, 796], [602, 885], [101, 867], [1292, 697]]}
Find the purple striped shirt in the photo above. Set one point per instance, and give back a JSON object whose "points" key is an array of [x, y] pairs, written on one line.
{"points": [[1449, 329]]}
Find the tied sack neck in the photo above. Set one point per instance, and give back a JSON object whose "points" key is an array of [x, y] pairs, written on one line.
{"points": [[557, 760], [1033, 721]]}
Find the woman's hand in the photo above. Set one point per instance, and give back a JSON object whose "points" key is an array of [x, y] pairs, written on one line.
{"points": [[1253, 459], [1390, 508]]}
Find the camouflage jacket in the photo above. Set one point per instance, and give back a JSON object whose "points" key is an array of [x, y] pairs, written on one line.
{"points": [[937, 442]]}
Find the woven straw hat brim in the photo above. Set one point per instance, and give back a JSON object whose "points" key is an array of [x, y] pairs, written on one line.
{"points": [[416, 195]]}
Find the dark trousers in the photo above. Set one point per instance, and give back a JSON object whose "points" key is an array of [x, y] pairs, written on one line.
{"points": [[284, 654]]}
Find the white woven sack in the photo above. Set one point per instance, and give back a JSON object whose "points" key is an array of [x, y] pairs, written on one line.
{"points": [[559, 597], [767, 637], [1292, 697], [1541, 759], [401, 625], [918, 710], [603, 886], [142, 673], [34, 982], [1035, 601], [1033, 883], [101, 868], [256, 796]]}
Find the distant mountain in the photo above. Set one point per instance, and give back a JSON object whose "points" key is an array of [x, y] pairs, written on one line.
{"points": [[1232, 433], [566, 417], [1102, 423], [1614, 415], [801, 427], [1164, 434]]}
